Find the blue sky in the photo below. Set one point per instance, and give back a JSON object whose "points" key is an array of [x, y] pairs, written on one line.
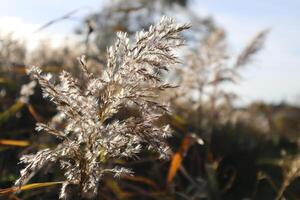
{"points": [[274, 76]]}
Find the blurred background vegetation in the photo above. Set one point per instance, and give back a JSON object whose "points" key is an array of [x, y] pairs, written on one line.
{"points": [[220, 150]]}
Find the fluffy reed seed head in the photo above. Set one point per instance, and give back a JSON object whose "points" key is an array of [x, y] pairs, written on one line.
{"points": [[92, 137]]}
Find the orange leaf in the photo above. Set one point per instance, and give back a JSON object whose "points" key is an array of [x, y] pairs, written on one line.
{"points": [[20, 143], [177, 159], [175, 164]]}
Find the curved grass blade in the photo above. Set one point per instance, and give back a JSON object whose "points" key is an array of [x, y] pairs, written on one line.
{"points": [[19, 143], [31, 186]]}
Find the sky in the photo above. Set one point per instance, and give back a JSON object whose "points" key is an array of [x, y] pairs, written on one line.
{"points": [[273, 76]]}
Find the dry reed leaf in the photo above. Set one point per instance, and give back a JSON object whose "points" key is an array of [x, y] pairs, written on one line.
{"points": [[53, 69], [115, 188], [4, 80], [64, 17], [19, 70], [141, 179], [11, 111], [31, 186], [20, 143], [177, 159], [33, 112]]}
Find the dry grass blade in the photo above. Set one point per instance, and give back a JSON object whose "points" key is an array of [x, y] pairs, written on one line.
{"points": [[4, 116], [66, 16], [141, 179], [19, 70], [115, 188], [4, 81], [33, 112], [20, 143], [31, 186]]}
